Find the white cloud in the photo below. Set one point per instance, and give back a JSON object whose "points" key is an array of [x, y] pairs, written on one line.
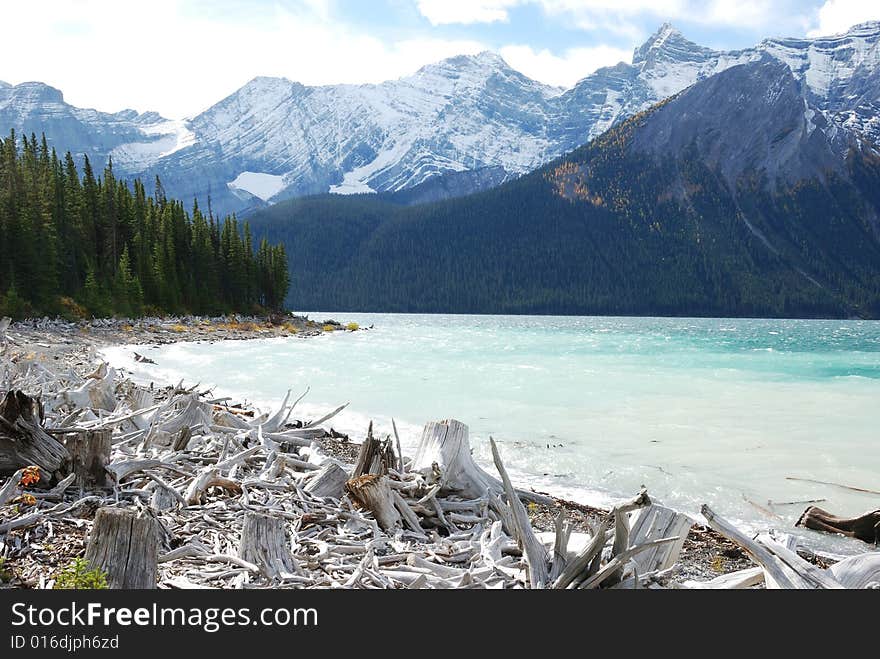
{"points": [[466, 12], [564, 70], [619, 16], [178, 57], [837, 16]]}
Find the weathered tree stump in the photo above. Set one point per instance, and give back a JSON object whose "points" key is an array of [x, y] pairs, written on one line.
{"points": [[373, 492], [264, 543], [125, 546], [375, 456], [23, 442], [329, 482], [865, 528], [444, 456], [89, 455]]}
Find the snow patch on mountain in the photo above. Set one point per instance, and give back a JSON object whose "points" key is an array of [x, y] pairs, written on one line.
{"points": [[259, 184]]}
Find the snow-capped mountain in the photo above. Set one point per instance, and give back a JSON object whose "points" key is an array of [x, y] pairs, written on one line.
{"points": [[134, 141], [455, 126]]}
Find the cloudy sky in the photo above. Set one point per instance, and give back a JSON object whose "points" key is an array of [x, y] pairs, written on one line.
{"points": [[180, 56]]}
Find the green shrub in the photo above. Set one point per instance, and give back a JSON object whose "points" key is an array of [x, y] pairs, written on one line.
{"points": [[352, 327], [78, 576]]}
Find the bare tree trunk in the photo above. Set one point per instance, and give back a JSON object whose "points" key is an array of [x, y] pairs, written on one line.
{"points": [[125, 546], [23, 442]]}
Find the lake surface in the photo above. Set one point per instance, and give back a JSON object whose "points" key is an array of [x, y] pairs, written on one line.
{"points": [[711, 411]]}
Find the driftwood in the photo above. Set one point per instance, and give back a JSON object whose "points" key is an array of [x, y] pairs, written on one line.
{"points": [[536, 555], [621, 530], [89, 453], [862, 571], [656, 522], [249, 500], [125, 546], [373, 492], [865, 527], [208, 478], [734, 581], [23, 442], [328, 482], [264, 542], [444, 457], [375, 456], [783, 568]]}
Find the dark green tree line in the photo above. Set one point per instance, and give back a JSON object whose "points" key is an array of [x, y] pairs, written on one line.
{"points": [[85, 244]]}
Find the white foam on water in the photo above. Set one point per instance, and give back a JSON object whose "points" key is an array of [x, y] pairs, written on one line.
{"points": [[699, 411]]}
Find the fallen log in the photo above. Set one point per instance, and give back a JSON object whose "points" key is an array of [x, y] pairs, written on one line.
{"points": [[23, 442], [865, 527], [783, 568], [125, 546]]}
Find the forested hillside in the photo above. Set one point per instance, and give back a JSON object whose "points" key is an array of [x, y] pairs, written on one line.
{"points": [[82, 244], [747, 208]]}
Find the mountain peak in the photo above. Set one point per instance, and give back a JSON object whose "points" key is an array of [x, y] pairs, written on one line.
{"points": [[668, 44], [37, 92]]}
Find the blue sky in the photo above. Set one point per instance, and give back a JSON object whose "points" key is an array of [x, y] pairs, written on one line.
{"points": [[180, 56]]}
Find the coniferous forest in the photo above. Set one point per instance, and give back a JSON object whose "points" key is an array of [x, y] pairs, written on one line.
{"points": [[77, 243]]}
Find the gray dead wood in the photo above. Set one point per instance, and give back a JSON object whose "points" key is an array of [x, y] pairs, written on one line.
{"points": [[784, 569], [734, 581], [265, 543], [862, 571], [12, 488], [560, 546], [23, 442], [328, 482], [124, 545], [89, 456], [576, 568], [373, 492], [444, 456], [616, 563], [621, 529], [208, 477], [375, 456], [534, 552], [656, 522]]}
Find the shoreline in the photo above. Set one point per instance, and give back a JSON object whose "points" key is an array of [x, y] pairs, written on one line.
{"points": [[706, 554]]}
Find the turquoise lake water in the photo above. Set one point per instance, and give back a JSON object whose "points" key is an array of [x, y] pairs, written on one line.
{"points": [[712, 411]]}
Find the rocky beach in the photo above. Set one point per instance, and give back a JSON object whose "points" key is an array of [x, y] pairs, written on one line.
{"points": [[237, 497]]}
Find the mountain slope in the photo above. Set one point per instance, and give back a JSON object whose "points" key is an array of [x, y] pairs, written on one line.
{"points": [[460, 125], [133, 140], [661, 215]]}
